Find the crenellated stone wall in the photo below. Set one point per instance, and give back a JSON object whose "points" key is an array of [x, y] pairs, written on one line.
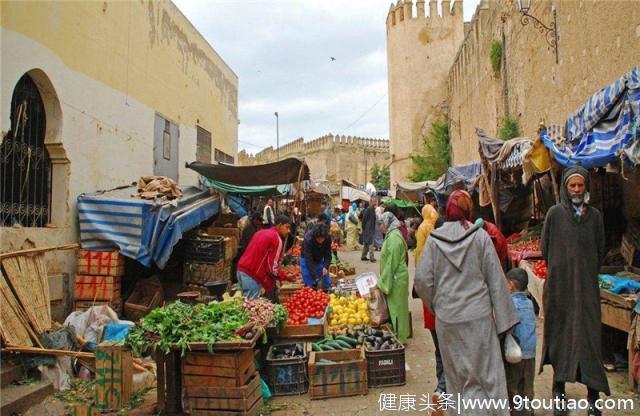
{"points": [[421, 47], [598, 41], [330, 158]]}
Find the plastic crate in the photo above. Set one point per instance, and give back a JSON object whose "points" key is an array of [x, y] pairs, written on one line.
{"points": [[386, 367], [204, 249], [287, 376]]}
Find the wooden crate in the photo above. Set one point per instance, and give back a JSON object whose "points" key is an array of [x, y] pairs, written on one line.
{"points": [[222, 369], [239, 400], [100, 263], [201, 273], [228, 249], [347, 376], [89, 287], [286, 291], [147, 295], [301, 332], [114, 376]]}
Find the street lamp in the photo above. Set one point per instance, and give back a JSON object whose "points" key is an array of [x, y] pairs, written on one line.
{"points": [[277, 135], [550, 32]]}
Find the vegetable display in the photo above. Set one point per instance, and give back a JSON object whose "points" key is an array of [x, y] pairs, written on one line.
{"points": [[179, 324], [286, 351], [372, 339], [347, 311], [306, 303], [540, 269]]}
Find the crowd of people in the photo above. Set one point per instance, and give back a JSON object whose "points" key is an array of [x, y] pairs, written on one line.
{"points": [[471, 302]]}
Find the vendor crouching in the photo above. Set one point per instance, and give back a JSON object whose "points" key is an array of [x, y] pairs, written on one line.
{"points": [[258, 267], [316, 257]]}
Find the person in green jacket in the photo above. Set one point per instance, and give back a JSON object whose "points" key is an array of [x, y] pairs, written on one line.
{"points": [[394, 275]]}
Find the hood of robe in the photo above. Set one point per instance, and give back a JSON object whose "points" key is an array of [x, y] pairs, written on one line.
{"points": [[565, 198], [454, 241]]}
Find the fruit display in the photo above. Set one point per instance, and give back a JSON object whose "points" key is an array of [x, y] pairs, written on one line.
{"points": [[290, 259], [304, 304], [540, 269], [347, 312], [295, 251]]}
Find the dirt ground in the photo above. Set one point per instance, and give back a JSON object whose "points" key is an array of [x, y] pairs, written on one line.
{"points": [[421, 377]]}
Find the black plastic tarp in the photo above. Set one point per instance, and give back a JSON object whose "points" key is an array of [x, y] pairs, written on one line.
{"points": [[286, 171]]}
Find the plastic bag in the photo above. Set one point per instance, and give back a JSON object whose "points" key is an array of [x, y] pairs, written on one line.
{"points": [[512, 351], [266, 393], [378, 307]]}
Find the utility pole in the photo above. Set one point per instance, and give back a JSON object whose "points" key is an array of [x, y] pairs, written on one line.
{"points": [[277, 135]]}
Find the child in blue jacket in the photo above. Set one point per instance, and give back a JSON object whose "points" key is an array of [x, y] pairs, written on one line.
{"points": [[520, 376]]}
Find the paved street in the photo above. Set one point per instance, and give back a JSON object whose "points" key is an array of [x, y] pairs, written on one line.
{"points": [[421, 377]]}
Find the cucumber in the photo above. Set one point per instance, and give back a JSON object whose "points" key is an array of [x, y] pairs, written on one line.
{"points": [[343, 344], [348, 340], [315, 347], [335, 345], [327, 347]]}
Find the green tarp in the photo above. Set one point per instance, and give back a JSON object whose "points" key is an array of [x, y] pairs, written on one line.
{"points": [[400, 203], [267, 190]]}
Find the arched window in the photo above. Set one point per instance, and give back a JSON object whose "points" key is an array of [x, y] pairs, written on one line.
{"points": [[25, 166]]}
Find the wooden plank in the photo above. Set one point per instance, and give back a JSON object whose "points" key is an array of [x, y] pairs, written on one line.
{"points": [[615, 317], [223, 359], [38, 250], [218, 371], [238, 378], [114, 376], [45, 351], [337, 374], [227, 403], [229, 392], [254, 411], [102, 263], [159, 358], [174, 383], [338, 390]]}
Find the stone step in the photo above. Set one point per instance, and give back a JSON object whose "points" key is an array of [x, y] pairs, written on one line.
{"points": [[9, 373], [17, 399]]}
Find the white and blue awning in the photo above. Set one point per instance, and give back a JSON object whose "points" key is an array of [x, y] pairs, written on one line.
{"points": [[603, 129], [143, 230]]}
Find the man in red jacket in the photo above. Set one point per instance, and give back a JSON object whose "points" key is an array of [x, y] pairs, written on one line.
{"points": [[259, 265]]}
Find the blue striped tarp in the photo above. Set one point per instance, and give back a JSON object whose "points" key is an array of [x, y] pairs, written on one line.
{"points": [[142, 230], [605, 127]]}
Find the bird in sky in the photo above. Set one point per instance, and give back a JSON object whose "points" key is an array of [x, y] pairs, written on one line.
{"points": [[332, 58]]}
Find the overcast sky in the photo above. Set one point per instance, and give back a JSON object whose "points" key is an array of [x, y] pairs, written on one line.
{"points": [[281, 51]]}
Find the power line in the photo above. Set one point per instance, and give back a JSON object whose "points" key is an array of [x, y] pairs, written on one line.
{"points": [[363, 114]]}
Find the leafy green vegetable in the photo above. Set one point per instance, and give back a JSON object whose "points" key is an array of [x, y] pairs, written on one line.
{"points": [[180, 324]]}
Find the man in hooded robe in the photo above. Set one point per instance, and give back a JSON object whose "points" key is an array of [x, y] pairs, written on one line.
{"points": [[573, 247], [459, 277]]}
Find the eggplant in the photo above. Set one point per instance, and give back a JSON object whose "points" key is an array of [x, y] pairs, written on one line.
{"points": [[385, 346], [360, 339], [379, 333], [371, 339], [379, 340]]}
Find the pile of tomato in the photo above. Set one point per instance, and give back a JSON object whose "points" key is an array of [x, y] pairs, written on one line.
{"points": [[306, 303], [540, 269]]}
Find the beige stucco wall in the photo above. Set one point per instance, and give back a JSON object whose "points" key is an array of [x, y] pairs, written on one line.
{"points": [[108, 68], [420, 51], [330, 158], [598, 42]]}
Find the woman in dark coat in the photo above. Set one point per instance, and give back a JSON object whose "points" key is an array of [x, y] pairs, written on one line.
{"points": [[573, 247]]}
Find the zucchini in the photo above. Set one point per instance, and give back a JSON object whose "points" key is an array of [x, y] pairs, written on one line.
{"points": [[336, 346], [315, 347], [343, 344], [327, 347], [352, 342]]}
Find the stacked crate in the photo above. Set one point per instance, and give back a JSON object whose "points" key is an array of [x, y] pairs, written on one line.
{"points": [[98, 280], [224, 383], [204, 262]]}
